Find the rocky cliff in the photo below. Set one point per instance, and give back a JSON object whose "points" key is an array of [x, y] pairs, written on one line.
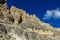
{"points": [[16, 24]]}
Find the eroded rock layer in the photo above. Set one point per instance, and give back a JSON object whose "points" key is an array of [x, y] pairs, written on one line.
{"points": [[17, 24]]}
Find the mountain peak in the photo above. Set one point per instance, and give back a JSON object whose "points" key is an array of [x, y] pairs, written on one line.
{"points": [[16, 24]]}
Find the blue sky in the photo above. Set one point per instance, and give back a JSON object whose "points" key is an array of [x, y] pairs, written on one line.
{"points": [[47, 10]]}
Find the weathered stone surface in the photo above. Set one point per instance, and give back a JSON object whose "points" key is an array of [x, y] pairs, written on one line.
{"points": [[30, 27], [4, 11], [18, 14]]}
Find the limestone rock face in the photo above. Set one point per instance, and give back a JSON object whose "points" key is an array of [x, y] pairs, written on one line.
{"points": [[16, 24], [4, 10], [18, 14]]}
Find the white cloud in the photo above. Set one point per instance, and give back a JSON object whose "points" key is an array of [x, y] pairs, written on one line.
{"points": [[52, 14]]}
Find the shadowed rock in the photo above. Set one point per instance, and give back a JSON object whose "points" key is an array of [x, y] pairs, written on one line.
{"points": [[2, 1]]}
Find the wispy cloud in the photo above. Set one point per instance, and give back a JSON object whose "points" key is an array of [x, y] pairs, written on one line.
{"points": [[52, 14]]}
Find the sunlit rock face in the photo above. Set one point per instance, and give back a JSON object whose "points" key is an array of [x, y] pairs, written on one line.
{"points": [[18, 14], [16, 24]]}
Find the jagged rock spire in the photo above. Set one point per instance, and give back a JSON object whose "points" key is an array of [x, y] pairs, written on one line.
{"points": [[3, 4], [4, 8]]}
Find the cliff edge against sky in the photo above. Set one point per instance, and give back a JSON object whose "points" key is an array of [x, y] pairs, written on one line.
{"points": [[16, 24]]}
